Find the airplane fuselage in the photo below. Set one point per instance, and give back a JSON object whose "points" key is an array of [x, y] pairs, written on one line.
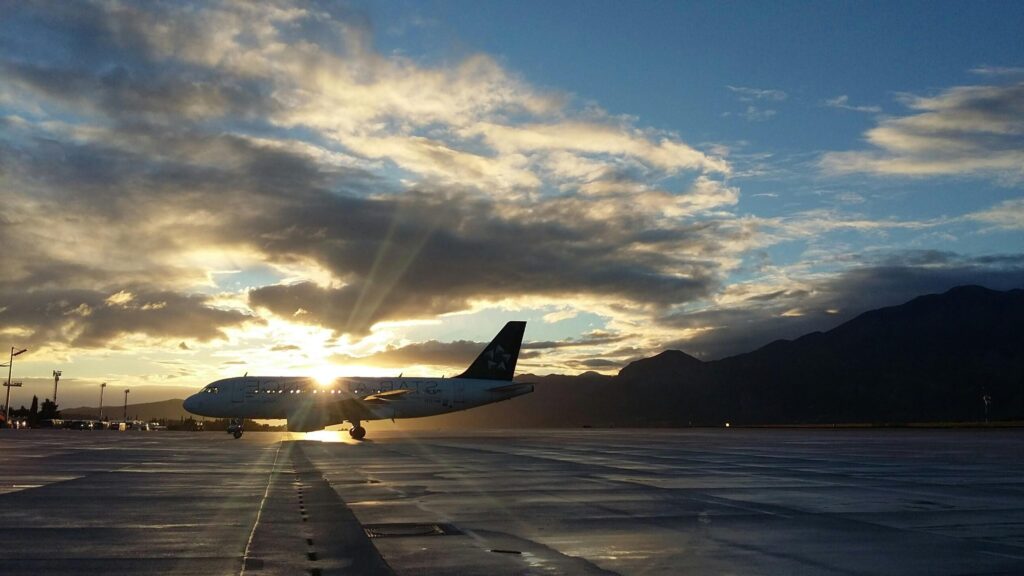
{"points": [[310, 405]]}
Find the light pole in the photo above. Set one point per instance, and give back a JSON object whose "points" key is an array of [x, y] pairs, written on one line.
{"points": [[102, 386], [56, 378], [126, 391], [10, 367]]}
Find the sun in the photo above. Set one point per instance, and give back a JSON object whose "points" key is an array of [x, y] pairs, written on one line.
{"points": [[324, 375]]}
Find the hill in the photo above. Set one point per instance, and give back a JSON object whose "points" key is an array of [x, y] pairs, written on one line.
{"points": [[170, 409], [931, 359]]}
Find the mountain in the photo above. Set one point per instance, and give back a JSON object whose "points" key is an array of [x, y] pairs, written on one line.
{"points": [[170, 409], [931, 359]]}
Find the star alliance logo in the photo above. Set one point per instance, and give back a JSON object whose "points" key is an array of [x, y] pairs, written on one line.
{"points": [[497, 357]]}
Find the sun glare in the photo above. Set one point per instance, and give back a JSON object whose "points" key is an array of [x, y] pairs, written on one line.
{"points": [[330, 436], [324, 375]]}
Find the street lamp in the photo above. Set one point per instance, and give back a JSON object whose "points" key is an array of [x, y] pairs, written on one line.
{"points": [[102, 386], [56, 378], [10, 367], [126, 391]]}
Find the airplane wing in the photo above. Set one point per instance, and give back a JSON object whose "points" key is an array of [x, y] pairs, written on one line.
{"points": [[511, 387], [386, 396]]}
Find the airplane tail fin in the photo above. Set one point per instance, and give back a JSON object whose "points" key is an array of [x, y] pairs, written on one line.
{"points": [[498, 360]]}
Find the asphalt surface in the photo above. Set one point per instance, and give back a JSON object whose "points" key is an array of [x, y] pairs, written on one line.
{"points": [[520, 502]]}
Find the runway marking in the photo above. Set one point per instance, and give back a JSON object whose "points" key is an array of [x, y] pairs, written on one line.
{"points": [[259, 513]]}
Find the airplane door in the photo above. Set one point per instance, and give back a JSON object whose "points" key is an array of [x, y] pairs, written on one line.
{"points": [[237, 392]]}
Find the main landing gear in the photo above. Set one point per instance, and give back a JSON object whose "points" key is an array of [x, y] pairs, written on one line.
{"points": [[357, 431], [235, 427]]}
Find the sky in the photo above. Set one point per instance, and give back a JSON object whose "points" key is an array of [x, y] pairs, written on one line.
{"points": [[190, 191]]}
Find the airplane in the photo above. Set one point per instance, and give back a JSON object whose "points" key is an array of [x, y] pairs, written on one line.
{"points": [[309, 405]]}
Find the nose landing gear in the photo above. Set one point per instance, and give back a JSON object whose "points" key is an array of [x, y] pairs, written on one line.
{"points": [[235, 427], [356, 431]]}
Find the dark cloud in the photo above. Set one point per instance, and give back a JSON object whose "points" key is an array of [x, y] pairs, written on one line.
{"points": [[176, 154], [427, 252], [778, 294], [429, 353], [596, 338], [92, 319], [434, 252], [137, 94], [461, 352], [284, 348], [596, 364], [117, 61], [962, 130], [889, 280]]}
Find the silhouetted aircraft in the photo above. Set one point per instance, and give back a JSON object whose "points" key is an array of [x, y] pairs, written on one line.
{"points": [[309, 405]]}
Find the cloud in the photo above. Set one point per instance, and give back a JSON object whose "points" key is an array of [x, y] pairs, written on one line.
{"points": [[314, 67], [460, 353], [149, 146], [657, 150], [564, 313], [986, 70], [843, 103], [754, 112], [430, 353], [146, 148], [597, 364], [814, 223], [751, 315], [596, 338], [746, 94], [1007, 215], [398, 265], [95, 319], [966, 130], [284, 348], [223, 194]]}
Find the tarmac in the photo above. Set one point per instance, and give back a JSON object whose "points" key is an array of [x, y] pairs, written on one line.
{"points": [[729, 501]]}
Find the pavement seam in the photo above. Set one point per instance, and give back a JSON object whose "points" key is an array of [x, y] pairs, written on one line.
{"points": [[259, 513], [322, 501]]}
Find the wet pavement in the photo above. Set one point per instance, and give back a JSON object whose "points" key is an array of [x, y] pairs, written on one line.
{"points": [[517, 502]]}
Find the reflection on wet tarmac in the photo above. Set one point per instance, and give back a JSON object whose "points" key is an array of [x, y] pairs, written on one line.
{"points": [[535, 502]]}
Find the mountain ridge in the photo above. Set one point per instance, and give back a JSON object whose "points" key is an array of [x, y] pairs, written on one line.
{"points": [[933, 358], [169, 409]]}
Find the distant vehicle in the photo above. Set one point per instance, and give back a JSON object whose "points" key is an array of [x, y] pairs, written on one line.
{"points": [[80, 425], [310, 406]]}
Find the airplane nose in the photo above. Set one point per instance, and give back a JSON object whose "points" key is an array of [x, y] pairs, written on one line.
{"points": [[190, 404]]}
